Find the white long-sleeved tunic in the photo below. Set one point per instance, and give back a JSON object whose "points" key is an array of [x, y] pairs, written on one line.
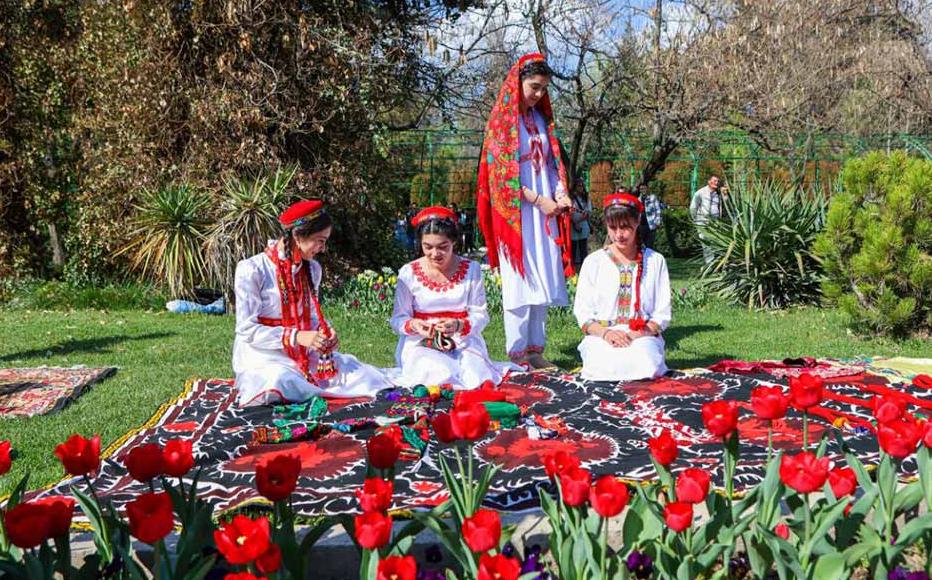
{"points": [[417, 296], [597, 300], [265, 374]]}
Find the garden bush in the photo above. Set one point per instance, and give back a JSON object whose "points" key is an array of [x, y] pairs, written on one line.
{"points": [[676, 237], [763, 247], [877, 241]]}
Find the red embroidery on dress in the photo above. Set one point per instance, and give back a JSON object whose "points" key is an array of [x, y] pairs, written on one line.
{"points": [[458, 276]]}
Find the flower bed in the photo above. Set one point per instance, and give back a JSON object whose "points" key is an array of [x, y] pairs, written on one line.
{"points": [[813, 516]]}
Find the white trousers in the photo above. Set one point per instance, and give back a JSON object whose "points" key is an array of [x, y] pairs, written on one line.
{"points": [[525, 330]]}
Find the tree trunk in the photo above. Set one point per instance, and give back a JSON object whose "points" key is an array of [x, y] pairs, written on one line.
{"points": [[58, 253]]}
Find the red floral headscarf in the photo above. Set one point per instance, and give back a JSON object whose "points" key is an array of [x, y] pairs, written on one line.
{"points": [[498, 198]]}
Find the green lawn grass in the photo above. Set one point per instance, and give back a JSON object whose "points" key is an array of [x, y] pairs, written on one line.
{"points": [[156, 352]]}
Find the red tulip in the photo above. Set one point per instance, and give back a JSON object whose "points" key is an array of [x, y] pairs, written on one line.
{"points": [[27, 525], [144, 462], [470, 422], [663, 448], [242, 539], [769, 402], [498, 567], [383, 451], [177, 459], [575, 485], [277, 477], [804, 472], [375, 495], [5, 460], [678, 515], [608, 496], [782, 530], [373, 530], [900, 437], [559, 462], [243, 576], [79, 455], [806, 391], [927, 433], [720, 417], [150, 517], [888, 408], [270, 561], [482, 530], [442, 428], [692, 485], [397, 568], [843, 481], [59, 509]]}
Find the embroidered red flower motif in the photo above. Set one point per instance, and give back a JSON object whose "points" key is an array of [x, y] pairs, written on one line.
{"points": [[277, 478], [787, 432], [144, 462], [150, 517], [457, 277], [183, 427], [608, 496], [663, 448], [482, 530], [243, 540], [328, 457], [397, 568], [720, 417], [177, 459], [672, 387], [512, 449], [804, 472], [526, 395], [678, 515], [79, 455], [806, 391]]}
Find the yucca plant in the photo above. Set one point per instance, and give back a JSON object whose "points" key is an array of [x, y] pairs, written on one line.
{"points": [[167, 235], [249, 210], [763, 246]]}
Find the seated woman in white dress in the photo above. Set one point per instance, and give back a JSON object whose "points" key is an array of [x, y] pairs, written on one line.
{"points": [[440, 312], [623, 301], [284, 350]]}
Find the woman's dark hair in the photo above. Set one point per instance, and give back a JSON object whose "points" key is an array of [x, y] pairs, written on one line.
{"points": [[535, 67], [440, 227], [616, 215], [579, 190], [318, 224]]}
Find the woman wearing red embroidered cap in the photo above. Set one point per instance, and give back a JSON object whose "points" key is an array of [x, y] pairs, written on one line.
{"points": [[523, 205], [284, 350], [623, 300], [440, 311]]}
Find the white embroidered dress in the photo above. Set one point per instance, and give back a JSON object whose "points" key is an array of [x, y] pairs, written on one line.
{"points": [[597, 299], [265, 374], [543, 282], [463, 297]]}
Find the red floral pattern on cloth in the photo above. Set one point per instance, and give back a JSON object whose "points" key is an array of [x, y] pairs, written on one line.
{"points": [[513, 449], [498, 198], [26, 392], [457, 277]]}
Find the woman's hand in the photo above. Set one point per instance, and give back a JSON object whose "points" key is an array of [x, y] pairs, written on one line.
{"points": [[449, 326], [564, 203], [617, 338], [312, 339], [421, 327], [333, 343], [548, 206]]}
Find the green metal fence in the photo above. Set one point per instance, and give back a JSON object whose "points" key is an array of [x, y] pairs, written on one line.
{"points": [[439, 167]]}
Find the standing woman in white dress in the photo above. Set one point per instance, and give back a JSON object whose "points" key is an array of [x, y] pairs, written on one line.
{"points": [[522, 204], [623, 301], [284, 350], [440, 311]]}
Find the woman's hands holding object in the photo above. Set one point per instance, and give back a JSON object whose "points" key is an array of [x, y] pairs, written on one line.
{"points": [[316, 340]]}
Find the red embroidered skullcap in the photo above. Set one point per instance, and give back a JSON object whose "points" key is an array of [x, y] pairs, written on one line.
{"points": [[301, 213], [531, 57], [619, 198], [434, 212]]}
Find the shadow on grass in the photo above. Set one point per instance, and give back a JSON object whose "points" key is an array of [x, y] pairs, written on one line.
{"points": [[84, 345]]}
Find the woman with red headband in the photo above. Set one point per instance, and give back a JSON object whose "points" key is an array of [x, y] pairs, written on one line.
{"points": [[623, 300], [440, 311], [284, 350], [522, 204]]}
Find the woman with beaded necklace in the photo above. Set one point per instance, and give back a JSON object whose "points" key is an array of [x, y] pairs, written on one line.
{"points": [[623, 300], [440, 311]]}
